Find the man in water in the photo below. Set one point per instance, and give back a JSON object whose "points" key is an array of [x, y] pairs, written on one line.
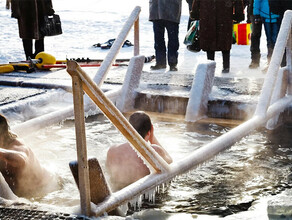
{"points": [[122, 162], [20, 167]]}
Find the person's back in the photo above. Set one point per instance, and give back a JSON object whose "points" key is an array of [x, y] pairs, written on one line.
{"points": [[21, 169], [123, 164]]}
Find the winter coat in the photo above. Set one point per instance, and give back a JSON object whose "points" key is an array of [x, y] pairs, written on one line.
{"points": [[280, 6], [262, 8], [250, 8], [30, 15], [169, 10], [216, 22]]}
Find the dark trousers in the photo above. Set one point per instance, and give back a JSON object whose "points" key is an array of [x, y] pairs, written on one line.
{"points": [[225, 55], [255, 41], [27, 45], [190, 3], [271, 30], [159, 27]]}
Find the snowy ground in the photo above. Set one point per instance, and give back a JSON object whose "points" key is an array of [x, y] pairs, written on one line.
{"points": [[89, 22]]}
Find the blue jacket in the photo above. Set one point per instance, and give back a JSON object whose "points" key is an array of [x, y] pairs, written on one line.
{"points": [[262, 8]]}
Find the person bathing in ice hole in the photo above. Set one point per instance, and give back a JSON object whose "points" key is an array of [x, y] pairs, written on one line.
{"points": [[123, 164], [20, 167]]}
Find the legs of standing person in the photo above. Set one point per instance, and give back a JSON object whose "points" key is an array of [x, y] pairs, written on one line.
{"points": [[39, 46], [211, 55], [226, 61], [173, 44], [27, 46], [255, 44], [271, 30], [159, 45]]}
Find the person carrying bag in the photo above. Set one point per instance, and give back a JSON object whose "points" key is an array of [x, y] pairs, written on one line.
{"points": [[31, 19], [216, 23], [192, 38]]}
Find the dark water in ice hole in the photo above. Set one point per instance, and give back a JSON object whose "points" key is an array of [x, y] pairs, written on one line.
{"points": [[256, 166]]}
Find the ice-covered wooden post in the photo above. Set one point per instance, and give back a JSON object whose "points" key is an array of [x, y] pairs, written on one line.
{"points": [[126, 100], [289, 57], [111, 56], [279, 92], [136, 38], [83, 171], [283, 39], [199, 94]]}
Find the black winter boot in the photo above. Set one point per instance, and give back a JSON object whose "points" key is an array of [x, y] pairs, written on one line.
{"points": [[255, 60], [226, 61]]}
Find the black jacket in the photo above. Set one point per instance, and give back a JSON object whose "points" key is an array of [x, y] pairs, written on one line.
{"points": [[30, 15], [280, 6]]}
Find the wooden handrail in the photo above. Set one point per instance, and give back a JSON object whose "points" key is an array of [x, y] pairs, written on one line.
{"points": [[152, 158], [283, 38]]}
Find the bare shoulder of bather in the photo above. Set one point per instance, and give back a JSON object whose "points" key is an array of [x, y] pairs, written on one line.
{"points": [[158, 147], [125, 167], [123, 164]]}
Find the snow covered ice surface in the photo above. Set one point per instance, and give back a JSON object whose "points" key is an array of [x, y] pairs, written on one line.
{"points": [[88, 22]]}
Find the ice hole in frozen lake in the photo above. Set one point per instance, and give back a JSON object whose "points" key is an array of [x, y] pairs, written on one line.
{"points": [[256, 166]]}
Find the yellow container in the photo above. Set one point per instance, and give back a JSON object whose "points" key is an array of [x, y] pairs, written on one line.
{"points": [[6, 68], [242, 33], [45, 59]]}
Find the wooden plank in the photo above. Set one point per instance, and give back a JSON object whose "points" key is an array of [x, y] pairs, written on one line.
{"points": [[81, 145], [99, 188]]}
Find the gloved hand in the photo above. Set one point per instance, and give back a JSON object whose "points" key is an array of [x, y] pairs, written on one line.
{"points": [[51, 11], [194, 15], [257, 19]]}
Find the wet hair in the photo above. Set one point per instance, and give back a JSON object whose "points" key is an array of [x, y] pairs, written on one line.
{"points": [[141, 122], [5, 132]]}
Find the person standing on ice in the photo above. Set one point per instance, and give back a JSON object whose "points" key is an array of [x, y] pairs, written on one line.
{"points": [[165, 14], [122, 162], [20, 168], [30, 15], [216, 25], [261, 12], [279, 7], [255, 38]]}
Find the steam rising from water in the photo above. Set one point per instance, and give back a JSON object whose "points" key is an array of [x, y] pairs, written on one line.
{"points": [[253, 168]]}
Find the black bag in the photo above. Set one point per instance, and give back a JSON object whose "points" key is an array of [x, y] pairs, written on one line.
{"points": [[51, 25]]}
